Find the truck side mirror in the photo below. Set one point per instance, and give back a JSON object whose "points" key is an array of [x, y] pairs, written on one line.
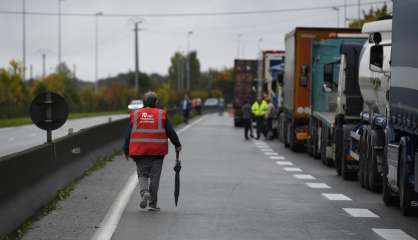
{"points": [[304, 75], [376, 58]]}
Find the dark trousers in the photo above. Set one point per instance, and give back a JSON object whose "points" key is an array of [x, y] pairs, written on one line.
{"points": [[269, 128], [149, 172], [247, 128], [186, 116], [259, 121]]}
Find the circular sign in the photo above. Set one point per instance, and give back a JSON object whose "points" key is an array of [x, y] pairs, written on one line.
{"points": [[49, 111]]}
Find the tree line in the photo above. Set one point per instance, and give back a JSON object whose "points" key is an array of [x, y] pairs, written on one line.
{"points": [[112, 93]]}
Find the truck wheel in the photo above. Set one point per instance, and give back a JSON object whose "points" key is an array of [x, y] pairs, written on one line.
{"points": [[316, 148], [388, 198], [368, 148], [347, 175], [309, 142], [375, 180], [339, 150], [405, 195]]}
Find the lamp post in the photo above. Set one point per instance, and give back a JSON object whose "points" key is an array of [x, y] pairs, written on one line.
{"points": [[59, 31], [338, 15], [259, 68], [96, 52], [24, 39], [136, 29], [189, 33]]}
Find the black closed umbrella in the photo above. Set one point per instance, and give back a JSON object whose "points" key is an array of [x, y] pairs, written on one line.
{"points": [[177, 169]]}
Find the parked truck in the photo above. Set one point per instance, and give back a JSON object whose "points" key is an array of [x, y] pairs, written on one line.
{"points": [[333, 63], [245, 74], [297, 82], [368, 136], [400, 153]]}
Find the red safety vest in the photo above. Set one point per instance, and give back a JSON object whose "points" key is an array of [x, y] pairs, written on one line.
{"points": [[148, 137]]}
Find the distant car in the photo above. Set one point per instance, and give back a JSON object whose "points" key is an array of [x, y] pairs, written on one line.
{"points": [[211, 102], [135, 104]]}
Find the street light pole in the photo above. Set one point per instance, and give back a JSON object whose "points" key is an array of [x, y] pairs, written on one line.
{"points": [[338, 15], [24, 39], [136, 29], [239, 45], [96, 54], [189, 33], [59, 31], [345, 13], [43, 66], [259, 68]]}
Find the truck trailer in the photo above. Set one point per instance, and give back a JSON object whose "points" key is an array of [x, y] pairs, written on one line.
{"points": [[297, 83], [329, 85], [400, 165], [245, 74]]}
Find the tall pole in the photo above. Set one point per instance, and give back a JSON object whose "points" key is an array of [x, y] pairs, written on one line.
{"points": [[337, 9], [259, 68], [189, 33], [359, 3], [43, 66], [239, 46], [96, 52], [345, 13], [24, 39], [74, 71], [59, 31], [136, 29]]}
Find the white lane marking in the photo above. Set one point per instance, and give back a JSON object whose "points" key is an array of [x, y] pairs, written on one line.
{"points": [[284, 163], [336, 197], [318, 185], [392, 234], [266, 150], [303, 176], [270, 153], [277, 157], [292, 169], [109, 224], [360, 212], [12, 138], [33, 135]]}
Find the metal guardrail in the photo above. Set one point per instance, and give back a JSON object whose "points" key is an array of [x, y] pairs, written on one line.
{"points": [[31, 178]]}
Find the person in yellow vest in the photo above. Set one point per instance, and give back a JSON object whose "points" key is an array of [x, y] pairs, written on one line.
{"points": [[259, 110]]}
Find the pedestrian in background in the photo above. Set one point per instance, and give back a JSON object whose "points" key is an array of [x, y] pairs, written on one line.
{"points": [[259, 110], [269, 118], [247, 119], [147, 144], [185, 106]]}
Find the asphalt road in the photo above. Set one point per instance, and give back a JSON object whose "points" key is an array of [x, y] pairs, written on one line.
{"points": [[15, 139], [237, 189]]}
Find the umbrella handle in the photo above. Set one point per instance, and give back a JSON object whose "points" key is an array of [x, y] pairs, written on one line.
{"points": [[177, 156]]}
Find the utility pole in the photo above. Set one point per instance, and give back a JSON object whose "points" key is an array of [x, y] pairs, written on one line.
{"points": [[74, 71], [30, 72], [189, 33], [337, 9], [259, 67], [345, 13], [24, 39], [43, 66], [359, 4], [59, 31], [96, 53], [136, 29], [239, 45]]}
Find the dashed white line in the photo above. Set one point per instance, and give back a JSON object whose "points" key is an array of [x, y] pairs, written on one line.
{"points": [[266, 150], [277, 157], [318, 185], [284, 163], [392, 234], [270, 153], [360, 212], [303, 176], [292, 169], [336, 197]]}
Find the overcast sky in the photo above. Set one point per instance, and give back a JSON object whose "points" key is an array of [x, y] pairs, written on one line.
{"points": [[215, 37]]}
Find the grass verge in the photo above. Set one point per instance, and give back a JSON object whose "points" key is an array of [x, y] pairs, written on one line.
{"points": [[12, 122], [61, 195]]}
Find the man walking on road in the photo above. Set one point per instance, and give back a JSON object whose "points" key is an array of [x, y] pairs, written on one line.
{"points": [[147, 144], [185, 106], [259, 109], [246, 119]]}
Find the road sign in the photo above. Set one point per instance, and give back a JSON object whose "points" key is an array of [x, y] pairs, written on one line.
{"points": [[49, 111]]}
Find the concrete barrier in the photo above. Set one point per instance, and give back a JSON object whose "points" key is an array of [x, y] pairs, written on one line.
{"points": [[30, 179]]}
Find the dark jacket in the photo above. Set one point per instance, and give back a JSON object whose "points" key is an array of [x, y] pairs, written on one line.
{"points": [[246, 111], [169, 130]]}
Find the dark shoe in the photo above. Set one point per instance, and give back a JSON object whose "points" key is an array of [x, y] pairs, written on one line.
{"points": [[153, 209], [145, 200]]}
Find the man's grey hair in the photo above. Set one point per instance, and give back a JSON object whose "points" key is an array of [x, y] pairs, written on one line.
{"points": [[150, 99]]}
